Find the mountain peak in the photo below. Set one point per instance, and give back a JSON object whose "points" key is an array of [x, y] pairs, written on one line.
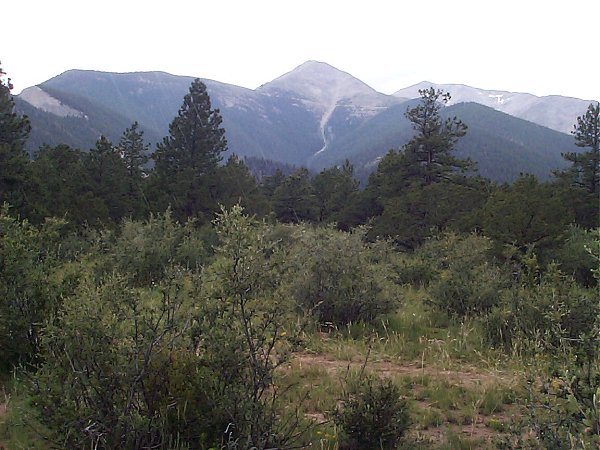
{"points": [[318, 82]]}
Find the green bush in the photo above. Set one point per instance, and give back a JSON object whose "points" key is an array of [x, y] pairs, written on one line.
{"points": [[30, 288], [119, 370], [468, 283], [146, 249], [576, 255], [245, 329], [339, 277], [373, 415], [551, 312]]}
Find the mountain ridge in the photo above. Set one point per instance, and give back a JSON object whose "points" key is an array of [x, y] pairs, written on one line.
{"points": [[315, 115], [553, 111]]}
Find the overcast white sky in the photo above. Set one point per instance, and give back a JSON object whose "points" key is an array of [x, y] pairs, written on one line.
{"points": [[538, 46]]}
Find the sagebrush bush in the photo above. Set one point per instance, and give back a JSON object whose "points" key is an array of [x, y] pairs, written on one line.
{"points": [[146, 249], [468, 283], [373, 415], [30, 289], [552, 311], [339, 277], [113, 362]]}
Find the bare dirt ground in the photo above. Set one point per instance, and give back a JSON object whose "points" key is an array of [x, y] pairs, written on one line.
{"points": [[468, 377]]}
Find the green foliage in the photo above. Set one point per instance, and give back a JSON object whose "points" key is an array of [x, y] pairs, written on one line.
{"points": [[29, 290], [61, 186], [527, 213], [429, 153], [146, 250], [294, 199], [108, 179], [575, 256], [421, 189], [14, 130], [339, 277], [564, 412], [119, 370], [549, 311], [134, 154], [235, 185], [469, 283], [188, 155], [585, 169], [373, 415], [335, 189], [418, 212], [245, 330]]}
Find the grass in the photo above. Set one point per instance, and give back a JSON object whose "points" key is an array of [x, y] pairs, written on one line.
{"points": [[18, 428], [452, 379], [459, 392]]}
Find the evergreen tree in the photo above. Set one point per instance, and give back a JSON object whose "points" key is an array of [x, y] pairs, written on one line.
{"points": [[236, 186], [191, 152], [423, 186], [581, 181], [335, 189], [134, 153], [526, 214], [294, 201], [428, 154], [108, 174], [14, 130], [270, 184], [63, 187], [585, 170]]}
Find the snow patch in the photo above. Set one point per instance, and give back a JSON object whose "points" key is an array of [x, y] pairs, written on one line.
{"points": [[40, 99]]}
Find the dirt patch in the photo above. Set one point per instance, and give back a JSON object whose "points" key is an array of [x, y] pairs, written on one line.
{"points": [[468, 377], [3, 405]]}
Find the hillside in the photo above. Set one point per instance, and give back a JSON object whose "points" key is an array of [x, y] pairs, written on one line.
{"points": [[315, 115]]}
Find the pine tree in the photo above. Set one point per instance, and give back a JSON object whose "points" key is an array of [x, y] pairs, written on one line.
{"points": [[335, 189], [134, 153], [108, 174], [582, 179], [423, 186], [192, 151], [294, 201], [14, 130], [585, 170], [429, 153]]}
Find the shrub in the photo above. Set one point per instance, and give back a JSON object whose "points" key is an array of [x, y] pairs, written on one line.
{"points": [[339, 277], [119, 370], [576, 255], [146, 249], [468, 284], [373, 415], [30, 290], [552, 311], [245, 329]]}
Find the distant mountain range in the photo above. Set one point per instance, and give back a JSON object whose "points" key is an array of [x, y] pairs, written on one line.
{"points": [[315, 116]]}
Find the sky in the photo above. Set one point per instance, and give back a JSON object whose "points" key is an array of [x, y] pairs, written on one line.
{"points": [[543, 47]]}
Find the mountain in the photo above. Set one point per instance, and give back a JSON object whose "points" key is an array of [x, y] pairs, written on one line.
{"points": [[315, 115], [553, 111], [503, 146]]}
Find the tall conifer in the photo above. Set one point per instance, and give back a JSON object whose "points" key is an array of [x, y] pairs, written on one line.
{"points": [[187, 158]]}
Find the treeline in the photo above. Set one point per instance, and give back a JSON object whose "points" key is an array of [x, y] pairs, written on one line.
{"points": [[150, 300], [414, 192]]}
